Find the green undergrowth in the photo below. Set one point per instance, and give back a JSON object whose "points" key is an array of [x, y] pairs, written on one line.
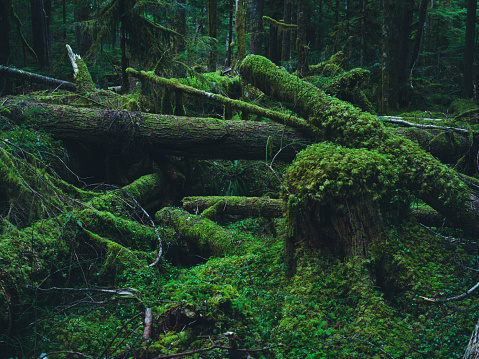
{"points": [[329, 308]]}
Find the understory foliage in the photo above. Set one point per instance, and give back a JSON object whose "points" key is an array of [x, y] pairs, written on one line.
{"points": [[81, 264]]}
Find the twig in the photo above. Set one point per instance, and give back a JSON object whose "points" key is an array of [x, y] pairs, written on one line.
{"points": [[457, 297], [103, 354]]}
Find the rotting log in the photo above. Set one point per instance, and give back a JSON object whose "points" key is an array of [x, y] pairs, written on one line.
{"points": [[241, 206], [202, 235], [345, 125], [32, 77], [182, 136], [278, 117]]}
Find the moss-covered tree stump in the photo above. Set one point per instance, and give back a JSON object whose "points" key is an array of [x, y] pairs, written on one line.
{"points": [[335, 199]]}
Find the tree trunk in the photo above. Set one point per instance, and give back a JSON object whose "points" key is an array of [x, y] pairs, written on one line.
{"points": [[420, 173], [286, 48], [362, 51], [386, 58], [240, 31], [212, 21], [125, 83], [241, 206], [181, 136], [5, 84], [419, 39], [39, 31], [83, 39], [256, 25], [180, 24], [301, 41], [229, 47], [469, 48]]}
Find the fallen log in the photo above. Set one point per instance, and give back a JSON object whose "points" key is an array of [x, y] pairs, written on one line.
{"points": [[6, 71], [167, 134], [241, 206], [418, 171], [278, 117], [202, 235]]}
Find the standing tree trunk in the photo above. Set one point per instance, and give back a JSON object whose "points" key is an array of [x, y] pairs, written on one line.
{"points": [[39, 32], [421, 30], [286, 49], [469, 48], [362, 51], [125, 83], [229, 41], [240, 31], [4, 46], [385, 58], [83, 37], [256, 25], [301, 41], [180, 24], [212, 21], [48, 32]]}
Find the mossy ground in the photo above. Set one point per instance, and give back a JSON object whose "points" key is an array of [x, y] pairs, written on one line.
{"points": [[329, 309]]}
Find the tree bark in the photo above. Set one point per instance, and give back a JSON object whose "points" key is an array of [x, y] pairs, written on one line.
{"points": [[241, 206], [212, 21], [469, 48], [182, 136], [39, 31], [240, 31], [83, 39], [256, 21], [286, 48], [301, 41], [180, 24], [423, 175]]}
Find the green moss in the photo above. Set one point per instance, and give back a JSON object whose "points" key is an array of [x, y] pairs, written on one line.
{"points": [[332, 174]]}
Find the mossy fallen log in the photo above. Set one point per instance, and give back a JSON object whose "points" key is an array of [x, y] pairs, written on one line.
{"points": [[278, 117], [167, 134], [203, 236], [46, 222], [241, 206], [343, 124]]}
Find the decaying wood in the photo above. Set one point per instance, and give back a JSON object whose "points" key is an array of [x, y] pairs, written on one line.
{"points": [[242, 206], [425, 176], [32, 77], [201, 234], [183, 136], [278, 117]]}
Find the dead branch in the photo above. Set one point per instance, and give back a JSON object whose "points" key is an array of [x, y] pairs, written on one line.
{"points": [[457, 297], [399, 121], [32, 77]]}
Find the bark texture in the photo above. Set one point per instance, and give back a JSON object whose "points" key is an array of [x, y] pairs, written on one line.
{"points": [[182, 136]]}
